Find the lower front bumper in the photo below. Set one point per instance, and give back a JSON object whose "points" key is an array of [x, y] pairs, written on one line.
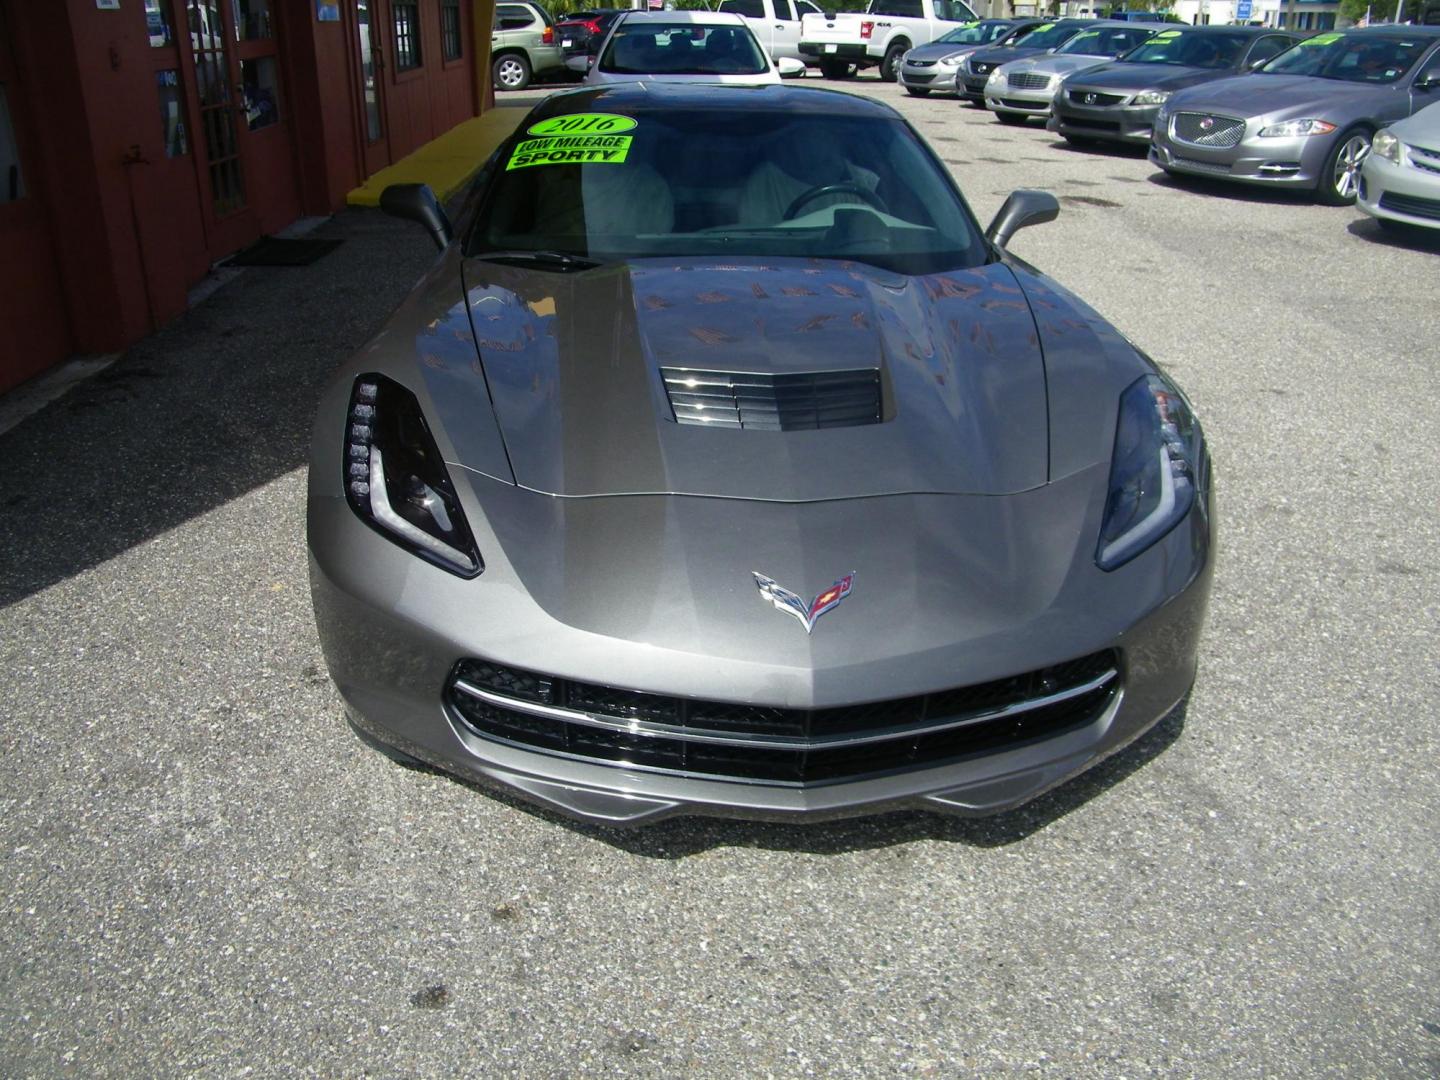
{"points": [[390, 671], [1018, 102], [1399, 193], [937, 79], [1122, 124], [1278, 163]]}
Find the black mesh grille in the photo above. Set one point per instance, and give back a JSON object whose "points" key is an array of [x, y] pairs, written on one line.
{"points": [[1094, 97], [937, 723], [736, 399], [1411, 204]]}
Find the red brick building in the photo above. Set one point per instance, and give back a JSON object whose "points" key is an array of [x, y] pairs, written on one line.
{"points": [[142, 140]]}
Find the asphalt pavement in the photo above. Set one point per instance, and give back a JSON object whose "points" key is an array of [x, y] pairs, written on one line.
{"points": [[207, 874]]}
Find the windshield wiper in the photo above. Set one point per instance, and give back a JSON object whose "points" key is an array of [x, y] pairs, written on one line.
{"points": [[549, 260]]}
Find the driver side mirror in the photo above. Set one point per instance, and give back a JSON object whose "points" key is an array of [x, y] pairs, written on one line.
{"points": [[1428, 82], [1024, 207], [416, 202], [789, 67]]}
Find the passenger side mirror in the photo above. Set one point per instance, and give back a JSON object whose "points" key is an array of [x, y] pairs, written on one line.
{"points": [[1024, 207], [789, 67], [416, 202]]}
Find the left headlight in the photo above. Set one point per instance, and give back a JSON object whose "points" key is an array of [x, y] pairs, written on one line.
{"points": [[395, 479], [1151, 97], [1292, 128], [1386, 146], [1155, 471]]}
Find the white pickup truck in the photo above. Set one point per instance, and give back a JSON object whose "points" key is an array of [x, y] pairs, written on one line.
{"points": [[775, 23], [844, 43]]}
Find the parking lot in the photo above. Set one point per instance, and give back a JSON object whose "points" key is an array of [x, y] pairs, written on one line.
{"points": [[208, 874]]}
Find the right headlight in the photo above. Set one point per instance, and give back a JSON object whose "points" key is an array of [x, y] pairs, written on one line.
{"points": [[395, 479], [1155, 471], [1151, 97], [1386, 146]]}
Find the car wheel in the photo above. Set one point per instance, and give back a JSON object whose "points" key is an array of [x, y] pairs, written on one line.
{"points": [[1018, 119], [832, 68], [1340, 176], [890, 66], [511, 71], [917, 91]]}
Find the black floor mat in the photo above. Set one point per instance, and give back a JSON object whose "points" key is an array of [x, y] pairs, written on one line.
{"points": [[270, 251]]}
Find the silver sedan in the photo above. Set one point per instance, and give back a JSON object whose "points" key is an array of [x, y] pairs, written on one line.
{"points": [[1400, 181]]}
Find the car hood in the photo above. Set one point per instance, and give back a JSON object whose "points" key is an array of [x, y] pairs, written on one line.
{"points": [[1054, 64], [1269, 95], [1422, 128], [572, 365], [1003, 54], [1117, 76], [937, 51]]}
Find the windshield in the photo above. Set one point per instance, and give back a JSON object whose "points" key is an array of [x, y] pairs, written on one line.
{"points": [[655, 48], [1199, 50], [1350, 58], [1107, 41], [726, 182], [974, 34], [1049, 36]]}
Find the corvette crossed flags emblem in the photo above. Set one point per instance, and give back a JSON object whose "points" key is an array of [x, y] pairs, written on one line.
{"points": [[791, 603]]}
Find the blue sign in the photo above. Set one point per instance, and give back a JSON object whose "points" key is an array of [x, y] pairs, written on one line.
{"points": [[1242, 10]]}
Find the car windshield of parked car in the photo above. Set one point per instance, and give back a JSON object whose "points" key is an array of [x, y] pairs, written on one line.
{"points": [[977, 33], [1107, 41], [1048, 36], [1350, 57], [726, 183], [1179, 49], [654, 48]]}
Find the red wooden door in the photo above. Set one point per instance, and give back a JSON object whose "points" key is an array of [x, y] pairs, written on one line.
{"points": [[34, 331]]}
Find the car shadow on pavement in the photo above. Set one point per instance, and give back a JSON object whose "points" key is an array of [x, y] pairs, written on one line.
{"points": [[1408, 237], [681, 837], [1235, 192], [1100, 149], [216, 403]]}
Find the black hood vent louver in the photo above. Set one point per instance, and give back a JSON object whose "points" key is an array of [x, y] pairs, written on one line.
{"points": [[763, 402]]}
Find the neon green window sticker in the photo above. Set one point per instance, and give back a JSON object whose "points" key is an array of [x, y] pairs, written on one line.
{"points": [[1043, 28], [570, 150], [1322, 39], [590, 123], [1166, 35]]}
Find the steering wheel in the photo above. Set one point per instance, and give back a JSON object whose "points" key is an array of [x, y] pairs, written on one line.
{"points": [[819, 191]]}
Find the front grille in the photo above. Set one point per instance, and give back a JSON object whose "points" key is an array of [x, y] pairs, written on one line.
{"points": [[1223, 132], [1027, 80], [980, 67], [1206, 166], [765, 402], [730, 740], [912, 77], [920, 63], [1426, 159], [1095, 98], [1411, 204]]}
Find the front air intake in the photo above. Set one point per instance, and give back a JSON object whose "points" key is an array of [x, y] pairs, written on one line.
{"points": [[763, 402]]}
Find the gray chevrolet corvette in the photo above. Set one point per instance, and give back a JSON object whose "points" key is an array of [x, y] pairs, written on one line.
{"points": [[722, 465]]}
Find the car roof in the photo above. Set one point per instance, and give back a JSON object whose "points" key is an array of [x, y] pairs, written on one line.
{"points": [[637, 98], [1390, 30], [699, 18], [1246, 31]]}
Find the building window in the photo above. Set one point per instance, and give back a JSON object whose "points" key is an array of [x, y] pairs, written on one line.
{"points": [[172, 115], [407, 36], [450, 29], [260, 84], [157, 24], [252, 19], [12, 184]]}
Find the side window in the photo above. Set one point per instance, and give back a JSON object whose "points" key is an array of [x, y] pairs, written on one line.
{"points": [[1266, 48], [909, 9], [784, 12], [750, 9], [805, 7], [512, 17]]}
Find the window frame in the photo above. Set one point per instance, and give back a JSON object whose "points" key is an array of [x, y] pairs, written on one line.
{"points": [[446, 60], [413, 37]]}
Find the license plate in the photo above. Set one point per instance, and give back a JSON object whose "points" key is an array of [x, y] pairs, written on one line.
{"points": [[567, 42], [830, 48]]}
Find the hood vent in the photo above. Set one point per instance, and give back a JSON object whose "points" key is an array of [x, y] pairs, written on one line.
{"points": [[763, 402]]}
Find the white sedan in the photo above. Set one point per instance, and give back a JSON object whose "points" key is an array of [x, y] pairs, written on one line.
{"points": [[685, 46], [1400, 181]]}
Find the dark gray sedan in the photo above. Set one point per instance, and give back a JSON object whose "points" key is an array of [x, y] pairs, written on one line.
{"points": [[1118, 101], [1306, 118]]}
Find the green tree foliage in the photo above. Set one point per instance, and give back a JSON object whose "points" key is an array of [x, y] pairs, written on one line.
{"points": [[1380, 10]]}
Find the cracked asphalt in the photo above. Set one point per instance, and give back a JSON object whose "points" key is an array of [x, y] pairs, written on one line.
{"points": [[207, 874]]}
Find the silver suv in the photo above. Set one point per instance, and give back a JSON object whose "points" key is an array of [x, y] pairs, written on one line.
{"points": [[522, 45]]}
